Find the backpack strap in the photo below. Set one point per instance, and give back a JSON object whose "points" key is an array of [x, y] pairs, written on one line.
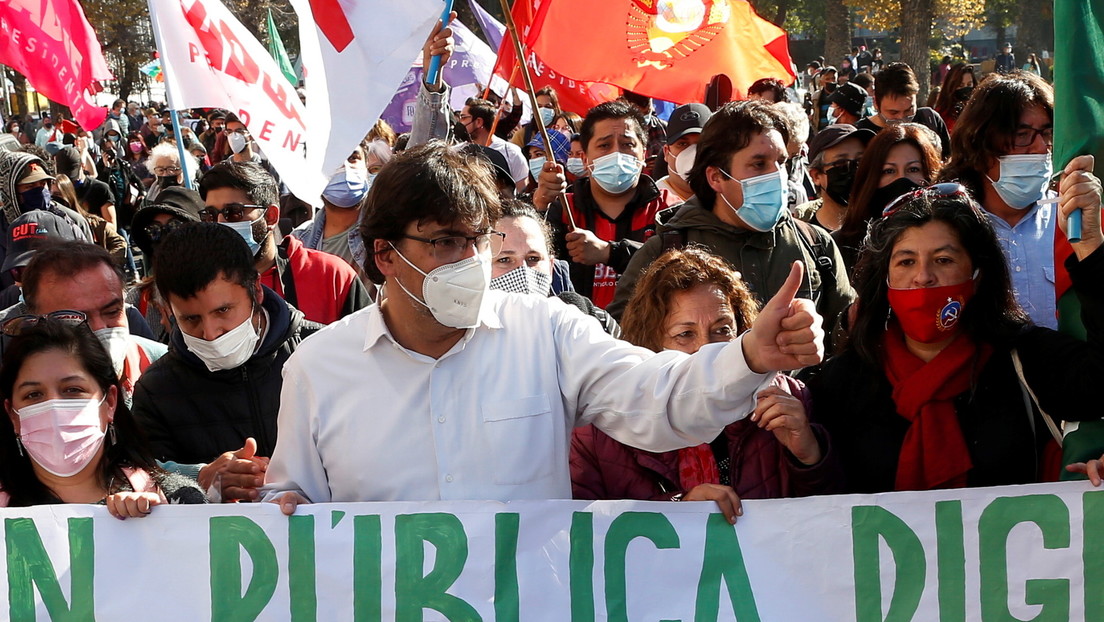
{"points": [[815, 244], [672, 238]]}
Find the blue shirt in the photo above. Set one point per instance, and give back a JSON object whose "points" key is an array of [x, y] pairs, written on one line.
{"points": [[1029, 249]]}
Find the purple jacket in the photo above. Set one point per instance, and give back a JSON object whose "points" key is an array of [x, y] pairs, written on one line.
{"points": [[761, 468]]}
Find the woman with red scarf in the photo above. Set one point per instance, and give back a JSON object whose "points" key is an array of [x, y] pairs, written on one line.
{"points": [[926, 394]]}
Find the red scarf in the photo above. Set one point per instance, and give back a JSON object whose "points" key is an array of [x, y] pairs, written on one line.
{"points": [[697, 465], [934, 452]]}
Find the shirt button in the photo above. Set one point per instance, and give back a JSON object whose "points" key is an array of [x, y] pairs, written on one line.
{"points": [[448, 478], [1019, 268], [440, 419]]}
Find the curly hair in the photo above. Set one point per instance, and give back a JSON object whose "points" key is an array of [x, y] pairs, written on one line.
{"points": [[674, 271]]}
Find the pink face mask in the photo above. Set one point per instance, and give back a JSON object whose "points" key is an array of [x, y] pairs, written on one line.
{"points": [[62, 436]]}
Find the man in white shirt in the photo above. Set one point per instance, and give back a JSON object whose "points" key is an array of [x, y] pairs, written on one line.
{"points": [[477, 117], [446, 390]]}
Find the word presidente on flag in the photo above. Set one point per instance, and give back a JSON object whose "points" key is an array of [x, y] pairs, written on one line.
{"points": [[1008, 553], [210, 60], [52, 44]]}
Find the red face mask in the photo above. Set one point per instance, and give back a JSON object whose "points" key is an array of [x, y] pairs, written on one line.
{"points": [[930, 314]]}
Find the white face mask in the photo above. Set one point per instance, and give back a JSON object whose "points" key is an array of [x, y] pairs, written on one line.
{"points": [[116, 341], [229, 350], [455, 292], [237, 142], [684, 161]]}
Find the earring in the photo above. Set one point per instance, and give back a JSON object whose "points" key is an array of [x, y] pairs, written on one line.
{"points": [[19, 444], [111, 432], [889, 314]]}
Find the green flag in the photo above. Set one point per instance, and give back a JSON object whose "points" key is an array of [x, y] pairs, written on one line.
{"points": [[1078, 130], [276, 49], [1078, 109]]}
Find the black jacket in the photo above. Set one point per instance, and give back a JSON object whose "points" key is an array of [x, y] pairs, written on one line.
{"points": [[853, 400], [191, 415]]}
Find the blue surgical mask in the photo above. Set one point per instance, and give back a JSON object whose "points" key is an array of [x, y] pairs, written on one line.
{"points": [[616, 172], [764, 199], [1023, 179], [833, 118], [535, 166], [576, 167], [347, 188], [547, 114], [245, 230], [35, 198]]}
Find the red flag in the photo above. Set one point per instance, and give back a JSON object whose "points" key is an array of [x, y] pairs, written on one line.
{"points": [[54, 46], [574, 95], [667, 49]]}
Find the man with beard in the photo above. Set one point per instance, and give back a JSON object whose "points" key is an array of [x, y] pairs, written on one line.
{"points": [[833, 159], [244, 197]]}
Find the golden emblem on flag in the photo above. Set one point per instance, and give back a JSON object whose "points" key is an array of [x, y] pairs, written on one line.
{"points": [[662, 32]]}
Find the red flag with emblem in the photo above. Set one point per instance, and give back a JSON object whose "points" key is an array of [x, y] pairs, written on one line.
{"points": [[667, 49], [574, 95]]}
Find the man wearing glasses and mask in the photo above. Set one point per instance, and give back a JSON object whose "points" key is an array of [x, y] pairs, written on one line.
{"points": [[446, 389], [243, 196]]}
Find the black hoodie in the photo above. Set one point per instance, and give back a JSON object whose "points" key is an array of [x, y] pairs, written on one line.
{"points": [[191, 414]]}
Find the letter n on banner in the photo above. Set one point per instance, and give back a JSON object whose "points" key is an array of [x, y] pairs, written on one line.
{"points": [[29, 566]]}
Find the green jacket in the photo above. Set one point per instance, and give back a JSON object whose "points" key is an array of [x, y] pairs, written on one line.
{"points": [[763, 258]]}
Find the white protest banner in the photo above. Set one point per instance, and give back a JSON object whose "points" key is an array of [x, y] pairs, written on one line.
{"points": [[1009, 553], [210, 60], [355, 53]]}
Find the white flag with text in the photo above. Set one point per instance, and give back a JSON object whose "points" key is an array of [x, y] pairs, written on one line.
{"points": [[210, 60]]}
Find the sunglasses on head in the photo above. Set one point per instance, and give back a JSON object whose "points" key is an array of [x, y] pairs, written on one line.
{"points": [[21, 324], [936, 191]]}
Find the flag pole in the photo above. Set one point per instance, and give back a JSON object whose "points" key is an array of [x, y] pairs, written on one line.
{"points": [[172, 102], [520, 52], [433, 72]]}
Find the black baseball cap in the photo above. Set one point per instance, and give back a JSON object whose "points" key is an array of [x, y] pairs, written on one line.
{"points": [[687, 119], [30, 231], [835, 134], [850, 97]]}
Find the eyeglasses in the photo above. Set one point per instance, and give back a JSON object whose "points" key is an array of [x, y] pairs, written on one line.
{"points": [[1025, 137], [451, 248], [155, 231], [937, 191], [21, 324], [232, 212], [240, 130], [162, 171], [465, 116]]}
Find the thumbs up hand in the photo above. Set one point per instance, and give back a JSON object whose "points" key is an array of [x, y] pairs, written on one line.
{"points": [[787, 334]]}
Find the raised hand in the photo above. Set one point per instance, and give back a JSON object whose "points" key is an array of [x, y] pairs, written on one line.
{"points": [[787, 334]]}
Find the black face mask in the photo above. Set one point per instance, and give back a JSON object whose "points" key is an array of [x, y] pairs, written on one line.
{"points": [[963, 94], [840, 180], [883, 196], [830, 87], [168, 180]]}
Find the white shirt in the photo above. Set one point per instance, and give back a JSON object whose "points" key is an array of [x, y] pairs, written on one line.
{"points": [[519, 166], [364, 419]]}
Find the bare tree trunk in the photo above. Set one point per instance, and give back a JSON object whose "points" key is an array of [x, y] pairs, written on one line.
{"points": [[19, 93], [916, 25], [837, 39], [781, 12]]}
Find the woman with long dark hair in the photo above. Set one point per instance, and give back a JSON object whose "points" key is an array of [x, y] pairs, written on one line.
{"points": [[955, 92], [938, 384], [901, 158], [68, 436]]}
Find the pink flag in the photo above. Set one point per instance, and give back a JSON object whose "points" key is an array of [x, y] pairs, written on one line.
{"points": [[52, 44]]}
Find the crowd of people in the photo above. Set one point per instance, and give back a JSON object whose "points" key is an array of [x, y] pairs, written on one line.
{"points": [[771, 298]]}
